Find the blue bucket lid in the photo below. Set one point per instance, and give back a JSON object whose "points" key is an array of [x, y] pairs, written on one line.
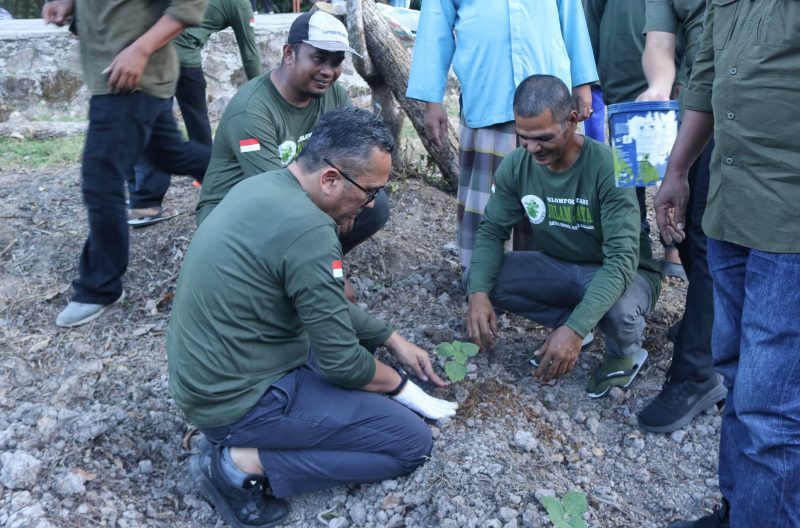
{"points": [[643, 106]]}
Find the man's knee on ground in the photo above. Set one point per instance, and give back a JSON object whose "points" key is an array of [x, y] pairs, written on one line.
{"points": [[414, 446]]}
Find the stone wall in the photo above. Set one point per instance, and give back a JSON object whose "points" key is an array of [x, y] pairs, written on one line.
{"points": [[40, 71]]}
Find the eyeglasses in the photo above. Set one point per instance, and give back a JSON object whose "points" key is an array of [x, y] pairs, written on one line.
{"points": [[370, 194]]}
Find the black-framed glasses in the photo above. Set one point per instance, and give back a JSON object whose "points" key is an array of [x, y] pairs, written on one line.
{"points": [[370, 194]]}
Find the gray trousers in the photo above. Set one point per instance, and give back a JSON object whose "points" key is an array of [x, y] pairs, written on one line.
{"points": [[546, 290], [313, 435]]}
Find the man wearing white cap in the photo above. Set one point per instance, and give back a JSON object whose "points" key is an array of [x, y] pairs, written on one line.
{"points": [[270, 118]]}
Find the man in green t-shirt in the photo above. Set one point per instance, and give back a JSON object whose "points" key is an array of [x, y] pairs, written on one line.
{"points": [[270, 118], [593, 265], [268, 358]]}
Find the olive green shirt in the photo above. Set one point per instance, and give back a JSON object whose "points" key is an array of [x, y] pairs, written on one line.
{"points": [[220, 15], [106, 27], [260, 131], [260, 285], [578, 216], [746, 73]]}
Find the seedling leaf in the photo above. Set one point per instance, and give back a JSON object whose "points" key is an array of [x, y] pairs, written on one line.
{"points": [[470, 348], [575, 503], [445, 349], [554, 510], [569, 513], [576, 522], [455, 371], [459, 355]]}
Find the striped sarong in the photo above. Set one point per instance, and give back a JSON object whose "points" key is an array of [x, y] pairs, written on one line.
{"points": [[480, 151]]}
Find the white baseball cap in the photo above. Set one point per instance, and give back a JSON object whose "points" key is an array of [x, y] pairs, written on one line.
{"points": [[321, 30]]}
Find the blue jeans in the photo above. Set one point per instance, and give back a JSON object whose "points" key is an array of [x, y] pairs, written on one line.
{"points": [[546, 290], [313, 435], [756, 347], [123, 128]]}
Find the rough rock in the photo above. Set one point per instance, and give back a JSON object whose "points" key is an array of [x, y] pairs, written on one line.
{"points": [[69, 483], [19, 470], [525, 440]]}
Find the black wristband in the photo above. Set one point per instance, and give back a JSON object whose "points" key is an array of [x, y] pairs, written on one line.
{"points": [[403, 381]]}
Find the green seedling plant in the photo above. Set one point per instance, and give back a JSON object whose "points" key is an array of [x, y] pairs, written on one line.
{"points": [[566, 513], [457, 354]]}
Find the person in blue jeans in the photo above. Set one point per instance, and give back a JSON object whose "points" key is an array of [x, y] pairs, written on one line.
{"points": [[751, 221], [131, 72]]}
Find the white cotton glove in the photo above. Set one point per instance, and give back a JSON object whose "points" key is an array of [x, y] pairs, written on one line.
{"points": [[418, 401]]}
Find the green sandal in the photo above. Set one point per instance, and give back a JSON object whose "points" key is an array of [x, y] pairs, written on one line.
{"points": [[615, 371]]}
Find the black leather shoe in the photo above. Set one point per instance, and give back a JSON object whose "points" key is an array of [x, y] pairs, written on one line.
{"points": [[245, 506]]}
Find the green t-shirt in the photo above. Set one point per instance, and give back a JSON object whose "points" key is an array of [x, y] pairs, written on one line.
{"points": [[683, 18], [615, 27], [578, 216], [106, 27], [260, 285], [222, 14], [259, 132]]}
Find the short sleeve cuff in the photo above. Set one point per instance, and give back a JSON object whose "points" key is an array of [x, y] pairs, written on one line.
{"points": [[190, 12], [698, 101], [660, 17]]}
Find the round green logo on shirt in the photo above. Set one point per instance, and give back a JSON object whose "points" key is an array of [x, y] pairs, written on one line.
{"points": [[286, 152], [534, 208]]}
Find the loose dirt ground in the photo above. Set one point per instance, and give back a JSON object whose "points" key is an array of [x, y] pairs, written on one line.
{"points": [[90, 437]]}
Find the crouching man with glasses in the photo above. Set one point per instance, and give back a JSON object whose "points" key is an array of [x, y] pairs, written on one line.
{"points": [[268, 358]]}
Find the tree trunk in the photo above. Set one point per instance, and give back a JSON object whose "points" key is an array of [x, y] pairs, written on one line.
{"points": [[388, 62], [382, 98]]}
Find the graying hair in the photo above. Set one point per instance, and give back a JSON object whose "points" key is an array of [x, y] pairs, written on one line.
{"points": [[539, 93], [347, 137]]}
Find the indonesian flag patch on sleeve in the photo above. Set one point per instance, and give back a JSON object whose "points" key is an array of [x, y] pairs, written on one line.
{"points": [[253, 23], [336, 268], [249, 145]]}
